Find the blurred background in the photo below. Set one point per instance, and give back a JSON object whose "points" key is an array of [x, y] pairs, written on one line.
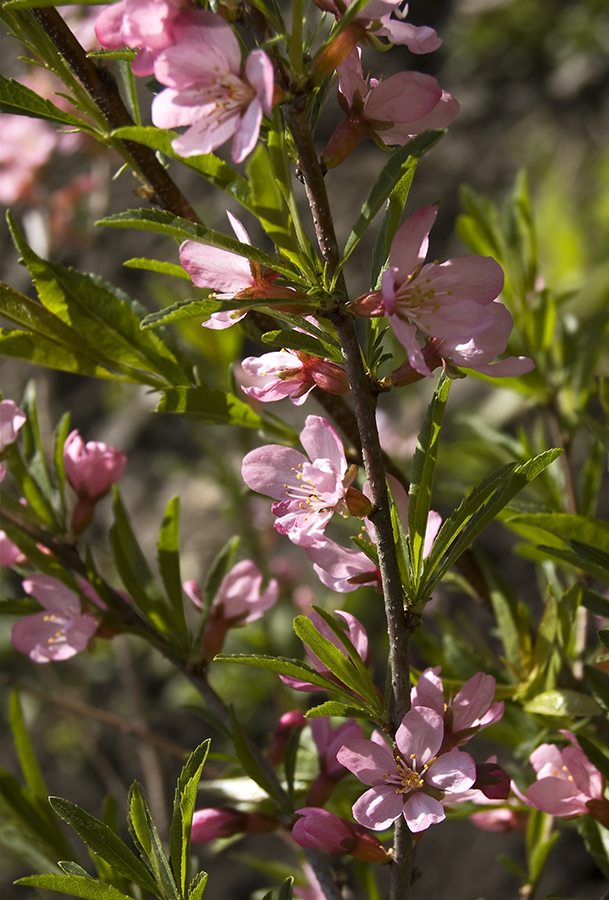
{"points": [[532, 78]]}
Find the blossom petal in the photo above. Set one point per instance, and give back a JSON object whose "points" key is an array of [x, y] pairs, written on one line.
{"points": [[420, 735], [428, 691], [212, 267], [453, 771], [320, 441], [585, 777], [266, 469], [378, 808], [246, 132], [472, 701], [368, 761], [411, 242], [421, 811], [557, 796]]}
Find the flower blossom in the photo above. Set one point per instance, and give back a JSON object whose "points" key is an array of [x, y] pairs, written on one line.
{"points": [[413, 779], [11, 420], [231, 276], [328, 742], [357, 635], [293, 374], [220, 822], [453, 303], [567, 783], [207, 89], [239, 601], [470, 710], [319, 829], [91, 470], [143, 24], [345, 569], [390, 111], [10, 554], [58, 633], [307, 492]]}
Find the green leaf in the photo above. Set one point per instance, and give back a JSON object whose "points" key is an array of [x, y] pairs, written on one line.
{"points": [[103, 841], [103, 316], [72, 868], [596, 603], [163, 222], [250, 763], [17, 99], [391, 221], [210, 406], [598, 684], [334, 660], [134, 570], [507, 489], [270, 207], [596, 839], [562, 703], [32, 816], [197, 886], [217, 172], [147, 837], [219, 569], [75, 886], [291, 667], [554, 529], [334, 708], [183, 808], [43, 351], [286, 890], [168, 556], [155, 265], [25, 751], [284, 338], [603, 636], [423, 468], [400, 162]]}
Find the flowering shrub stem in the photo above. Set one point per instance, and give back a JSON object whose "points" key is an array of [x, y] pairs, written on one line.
{"points": [[399, 627]]}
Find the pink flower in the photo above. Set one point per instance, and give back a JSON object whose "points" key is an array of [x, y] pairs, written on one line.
{"points": [[328, 743], [293, 374], [145, 24], [10, 554], [11, 420], [344, 570], [319, 829], [229, 275], [469, 711], [307, 491], [208, 90], [453, 303], [27, 145], [390, 111], [60, 632], [357, 635], [567, 783], [407, 781], [239, 601], [91, 468], [210, 824]]}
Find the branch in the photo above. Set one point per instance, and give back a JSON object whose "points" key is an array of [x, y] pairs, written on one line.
{"points": [[101, 86]]}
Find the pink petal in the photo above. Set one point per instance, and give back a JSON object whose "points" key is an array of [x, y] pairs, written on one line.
{"points": [[335, 565], [557, 796], [378, 807], [206, 135], [472, 701], [411, 242], [587, 779], [260, 74], [420, 735], [212, 267], [239, 229], [246, 132], [320, 441], [52, 594], [453, 771], [546, 755], [471, 278], [404, 97], [350, 78], [428, 691], [367, 760], [267, 469], [406, 333], [421, 811], [418, 38]]}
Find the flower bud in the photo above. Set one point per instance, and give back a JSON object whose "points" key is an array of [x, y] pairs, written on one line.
{"points": [[336, 52], [319, 829], [368, 305], [210, 824], [344, 140], [91, 469]]}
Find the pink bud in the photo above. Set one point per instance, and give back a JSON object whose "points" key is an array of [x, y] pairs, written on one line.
{"points": [[319, 829], [91, 468], [210, 824]]}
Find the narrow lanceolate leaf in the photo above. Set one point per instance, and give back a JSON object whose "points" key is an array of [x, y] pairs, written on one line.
{"points": [[251, 764], [423, 469], [168, 556], [20, 100], [286, 339], [75, 886], [102, 840], [197, 886], [286, 890], [210, 406], [163, 222], [291, 667], [183, 808], [335, 661], [562, 527], [147, 837], [25, 751], [217, 172], [334, 708], [155, 265], [399, 164], [507, 489], [105, 317]]}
